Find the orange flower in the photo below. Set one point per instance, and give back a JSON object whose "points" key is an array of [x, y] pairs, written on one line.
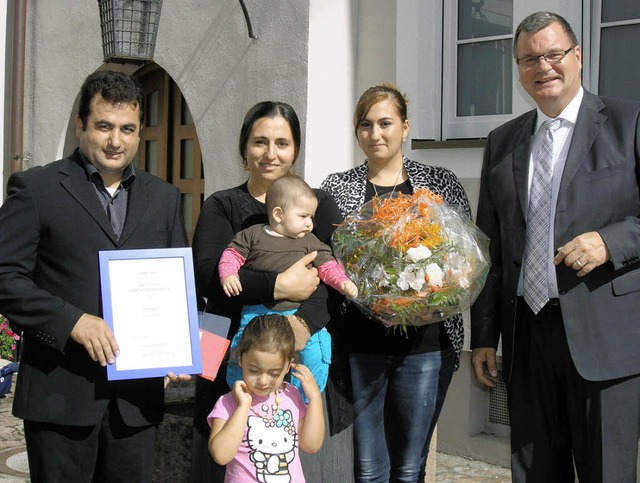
{"points": [[418, 231]]}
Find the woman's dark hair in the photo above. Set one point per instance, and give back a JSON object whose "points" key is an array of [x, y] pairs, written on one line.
{"points": [[541, 20], [269, 109], [114, 88]]}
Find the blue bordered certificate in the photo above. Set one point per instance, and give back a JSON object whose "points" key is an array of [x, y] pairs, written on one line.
{"points": [[149, 301]]}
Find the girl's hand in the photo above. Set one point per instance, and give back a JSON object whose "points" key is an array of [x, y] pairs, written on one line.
{"points": [[309, 384], [241, 394]]}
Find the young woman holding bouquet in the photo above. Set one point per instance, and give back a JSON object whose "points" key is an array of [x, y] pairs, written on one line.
{"points": [[399, 380], [269, 145]]}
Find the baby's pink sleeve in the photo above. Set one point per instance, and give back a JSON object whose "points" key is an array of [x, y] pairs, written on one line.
{"points": [[230, 263], [332, 274]]}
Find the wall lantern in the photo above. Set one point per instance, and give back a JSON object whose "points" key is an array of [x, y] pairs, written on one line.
{"points": [[129, 29]]}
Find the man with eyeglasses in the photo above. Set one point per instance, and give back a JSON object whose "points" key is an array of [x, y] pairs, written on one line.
{"points": [[560, 202]]}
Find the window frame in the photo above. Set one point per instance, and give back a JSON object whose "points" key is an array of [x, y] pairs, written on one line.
{"points": [[456, 127], [594, 25]]}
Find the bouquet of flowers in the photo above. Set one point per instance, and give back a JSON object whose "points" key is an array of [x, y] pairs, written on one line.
{"points": [[415, 259]]}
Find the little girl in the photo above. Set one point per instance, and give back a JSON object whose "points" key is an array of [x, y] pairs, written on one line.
{"points": [[256, 428]]}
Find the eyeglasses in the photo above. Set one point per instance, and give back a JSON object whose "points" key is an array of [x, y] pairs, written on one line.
{"points": [[552, 57]]}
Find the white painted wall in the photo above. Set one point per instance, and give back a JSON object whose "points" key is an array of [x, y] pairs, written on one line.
{"points": [[329, 140], [352, 46]]}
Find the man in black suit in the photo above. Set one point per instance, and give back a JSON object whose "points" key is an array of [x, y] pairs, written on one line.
{"points": [[79, 426], [571, 353]]}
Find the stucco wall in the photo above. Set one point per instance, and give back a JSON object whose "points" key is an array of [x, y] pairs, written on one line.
{"points": [[222, 72], [63, 47], [202, 44]]}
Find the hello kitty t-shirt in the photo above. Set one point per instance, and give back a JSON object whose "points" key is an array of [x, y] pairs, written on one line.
{"points": [[269, 449]]}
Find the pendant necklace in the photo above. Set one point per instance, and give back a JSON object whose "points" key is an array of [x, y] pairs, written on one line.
{"points": [[274, 417], [269, 411], [395, 185]]}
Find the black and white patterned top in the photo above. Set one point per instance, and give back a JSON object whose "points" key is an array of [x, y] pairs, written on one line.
{"points": [[349, 187]]}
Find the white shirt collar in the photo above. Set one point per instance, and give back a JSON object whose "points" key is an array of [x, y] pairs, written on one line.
{"points": [[570, 113]]}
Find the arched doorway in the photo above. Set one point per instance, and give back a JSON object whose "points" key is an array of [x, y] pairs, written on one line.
{"points": [[169, 146]]}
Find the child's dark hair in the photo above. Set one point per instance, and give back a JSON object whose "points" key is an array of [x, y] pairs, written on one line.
{"points": [[268, 333]]}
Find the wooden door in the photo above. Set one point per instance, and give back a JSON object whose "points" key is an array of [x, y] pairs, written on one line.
{"points": [[169, 146]]}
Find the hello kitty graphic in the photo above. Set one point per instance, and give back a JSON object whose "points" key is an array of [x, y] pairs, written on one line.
{"points": [[272, 440]]}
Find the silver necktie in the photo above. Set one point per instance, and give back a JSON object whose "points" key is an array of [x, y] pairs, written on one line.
{"points": [[536, 251]]}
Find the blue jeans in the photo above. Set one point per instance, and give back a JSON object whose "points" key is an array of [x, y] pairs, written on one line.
{"points": [[397, 401]]}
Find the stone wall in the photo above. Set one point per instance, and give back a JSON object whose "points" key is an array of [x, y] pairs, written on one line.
{"points": [[173, 444]]}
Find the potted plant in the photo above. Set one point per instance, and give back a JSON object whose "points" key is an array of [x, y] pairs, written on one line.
{"points": [[8, 340]]}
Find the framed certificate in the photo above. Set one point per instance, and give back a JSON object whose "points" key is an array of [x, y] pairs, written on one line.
{"points": [[149, 301]]}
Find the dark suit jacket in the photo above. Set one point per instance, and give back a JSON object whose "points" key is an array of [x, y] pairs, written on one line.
{"points": [[598, 192], [52, 226]]}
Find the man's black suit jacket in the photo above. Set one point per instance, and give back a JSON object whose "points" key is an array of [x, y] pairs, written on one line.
{"points": [[599, 191], [52, 226]]}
